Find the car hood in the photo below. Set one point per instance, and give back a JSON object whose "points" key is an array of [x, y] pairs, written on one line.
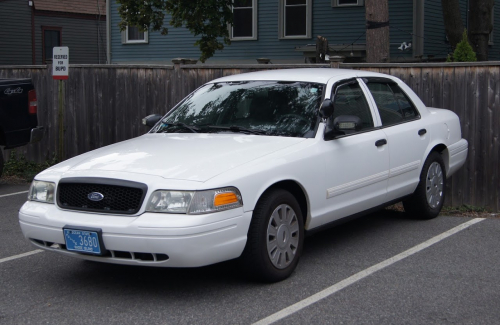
{"points": [[194, 157]]}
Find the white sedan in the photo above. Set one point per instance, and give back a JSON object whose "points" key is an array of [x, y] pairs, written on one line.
{"points": [[243, 167]]}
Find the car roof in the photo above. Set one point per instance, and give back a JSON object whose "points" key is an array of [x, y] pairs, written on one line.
{"points": [[318, 75]]}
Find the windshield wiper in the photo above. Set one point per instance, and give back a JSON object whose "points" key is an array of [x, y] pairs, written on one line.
{"points": [[191, 128], [236, 128]]}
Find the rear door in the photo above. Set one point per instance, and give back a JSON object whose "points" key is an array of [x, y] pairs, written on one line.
{"points": [[407, 137]]}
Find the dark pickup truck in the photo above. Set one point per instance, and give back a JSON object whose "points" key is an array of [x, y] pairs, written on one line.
{"points": [[18, 115]]}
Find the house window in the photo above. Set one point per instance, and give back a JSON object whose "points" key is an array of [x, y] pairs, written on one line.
{"points": [[347, 3], [132, 35], [51, 37], [295, 18], [244, 20]]}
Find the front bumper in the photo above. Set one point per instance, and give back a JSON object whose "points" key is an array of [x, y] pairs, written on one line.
{"points": [[167, 240]]}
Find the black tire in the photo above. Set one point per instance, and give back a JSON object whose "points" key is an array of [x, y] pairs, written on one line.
{"points": [[418, 205], [256, 260]]}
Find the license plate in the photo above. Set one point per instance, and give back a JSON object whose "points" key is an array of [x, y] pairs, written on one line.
{"points": [[82, 241]]}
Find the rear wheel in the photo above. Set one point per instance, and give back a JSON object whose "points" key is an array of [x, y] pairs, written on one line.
{"points": [[275, 237], [427, 200]]}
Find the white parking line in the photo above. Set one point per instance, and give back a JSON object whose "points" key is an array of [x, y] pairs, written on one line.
{"points": [[363, 274], [4, 195], [15, 257]]}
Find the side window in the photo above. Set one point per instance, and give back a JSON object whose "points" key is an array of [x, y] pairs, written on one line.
{"points": [[393, 105], [409, 111], [350, 100], [388, 107]]}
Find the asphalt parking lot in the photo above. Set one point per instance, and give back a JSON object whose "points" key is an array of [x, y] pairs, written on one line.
{"points": [[380, 269]]}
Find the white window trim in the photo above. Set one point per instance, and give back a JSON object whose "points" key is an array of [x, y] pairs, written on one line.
{"points": [[254, 26], [335, 3], [281, 21], [125, 39]]}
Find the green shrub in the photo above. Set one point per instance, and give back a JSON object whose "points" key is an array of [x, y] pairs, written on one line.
{"points": [[21, 168], [463, 52]]}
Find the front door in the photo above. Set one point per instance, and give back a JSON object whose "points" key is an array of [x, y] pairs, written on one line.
{"points": [[357, 163]]}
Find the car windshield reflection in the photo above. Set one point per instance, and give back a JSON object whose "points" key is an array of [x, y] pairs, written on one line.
{"points": [[253, 107]]}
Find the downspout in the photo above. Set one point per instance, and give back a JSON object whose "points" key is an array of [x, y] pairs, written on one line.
{"points": [[33, 45], [467, 16], [108, 31], [418, 27]]}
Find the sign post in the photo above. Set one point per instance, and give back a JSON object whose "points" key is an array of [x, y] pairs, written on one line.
{"points": [[60, 71]]}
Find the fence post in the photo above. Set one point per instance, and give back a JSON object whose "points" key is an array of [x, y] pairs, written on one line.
{"points": [[335, 61], [177, 80]]}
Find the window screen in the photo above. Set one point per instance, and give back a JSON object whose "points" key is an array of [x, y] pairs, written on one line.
{"points": [[295, 17], [51, 38], [350, 100], [347, 2], [134, 34], [243, 18]]}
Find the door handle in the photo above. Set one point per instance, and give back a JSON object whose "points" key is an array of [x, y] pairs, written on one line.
{"points": [[380, 142], [422, 132]]}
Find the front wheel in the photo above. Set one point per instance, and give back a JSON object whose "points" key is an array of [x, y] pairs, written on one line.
{"points": [[275, 237], [427, 200]]}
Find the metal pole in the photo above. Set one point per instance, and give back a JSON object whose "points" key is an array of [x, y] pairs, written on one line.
{"points": [[60, 149]]}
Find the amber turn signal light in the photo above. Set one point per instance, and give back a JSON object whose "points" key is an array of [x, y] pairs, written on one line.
{"points": [[224, 199]]}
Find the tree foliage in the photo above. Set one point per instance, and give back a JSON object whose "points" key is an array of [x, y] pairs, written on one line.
{"points": [[206, 19], [479, 23]]}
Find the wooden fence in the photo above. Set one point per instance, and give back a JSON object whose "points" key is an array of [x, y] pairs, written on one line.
{"points": [[104, 104]]}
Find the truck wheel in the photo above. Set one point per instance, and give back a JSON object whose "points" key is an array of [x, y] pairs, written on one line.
{"points": [[275, 237], [427, 200]]}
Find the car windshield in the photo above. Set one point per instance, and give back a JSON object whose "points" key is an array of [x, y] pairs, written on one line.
{"points": [[253, 107]]}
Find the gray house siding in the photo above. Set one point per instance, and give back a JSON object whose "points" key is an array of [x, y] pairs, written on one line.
{"points": [[80, 35], [401, 28], [342, 26], [15, 32], [435, 36], [435, 42], [494, 50]]}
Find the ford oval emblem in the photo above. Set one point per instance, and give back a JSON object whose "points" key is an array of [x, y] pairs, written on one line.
{"points": [[95, 196]]}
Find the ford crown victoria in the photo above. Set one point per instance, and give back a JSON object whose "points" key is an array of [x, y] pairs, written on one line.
{"points": [[243, 167]]}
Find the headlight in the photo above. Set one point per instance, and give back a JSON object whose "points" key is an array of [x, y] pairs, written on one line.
{"points": [[42, 191], [198, 202], [169, 201]]}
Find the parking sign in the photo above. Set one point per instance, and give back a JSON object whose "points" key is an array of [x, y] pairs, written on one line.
{"points": [[60, 63]]}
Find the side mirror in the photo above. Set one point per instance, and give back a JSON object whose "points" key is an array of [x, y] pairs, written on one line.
{"points": [[151, 120], [326, 109]]}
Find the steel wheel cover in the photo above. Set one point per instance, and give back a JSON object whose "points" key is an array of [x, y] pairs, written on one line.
{"points": [[434, 185], [282, 236]]}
